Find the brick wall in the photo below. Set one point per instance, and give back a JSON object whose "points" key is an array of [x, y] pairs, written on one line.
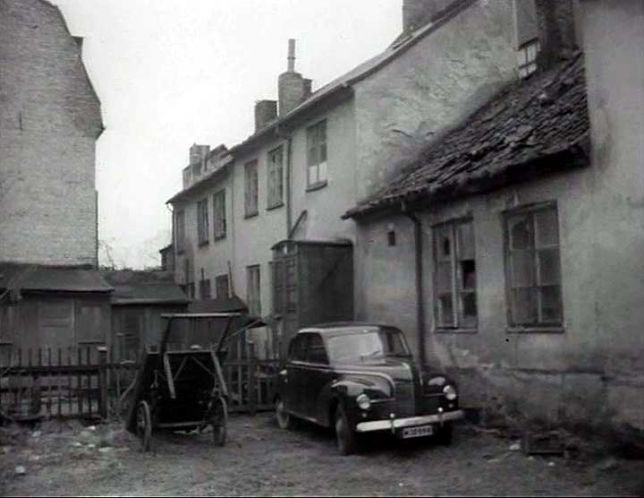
{"points": [[49, 122]]}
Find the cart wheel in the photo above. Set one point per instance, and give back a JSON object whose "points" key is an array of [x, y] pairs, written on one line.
{"points": [[144, 425], [219, 421]]}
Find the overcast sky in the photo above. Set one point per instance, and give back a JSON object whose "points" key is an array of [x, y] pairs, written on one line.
{"points": [[173, 72]]}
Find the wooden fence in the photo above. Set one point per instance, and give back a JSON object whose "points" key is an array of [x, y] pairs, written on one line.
{"points": [[84, 382]]}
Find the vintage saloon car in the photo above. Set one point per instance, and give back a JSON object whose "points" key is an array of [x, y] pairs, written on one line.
{"points": [[361, 378]]}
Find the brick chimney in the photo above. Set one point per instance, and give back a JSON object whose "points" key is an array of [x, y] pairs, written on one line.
{"points": [[293, 89], [417, 13], [265, 112]]}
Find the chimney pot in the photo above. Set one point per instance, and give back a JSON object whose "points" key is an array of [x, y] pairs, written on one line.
{"points": [[291, 55]]}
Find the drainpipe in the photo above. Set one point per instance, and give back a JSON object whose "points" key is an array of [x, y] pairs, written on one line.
{"points": [[420, 289]]}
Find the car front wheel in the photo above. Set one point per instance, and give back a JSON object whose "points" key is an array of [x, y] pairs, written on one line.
{"points": [[345, 436], [444, 434]]}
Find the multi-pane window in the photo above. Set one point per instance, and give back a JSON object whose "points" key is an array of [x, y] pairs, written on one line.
{"points": [[275, 177], [527, 58], [221, 286], [316, 157], [250, 192], [202, 221], [180, 230], [253, 296], [533, 267], [219, 214], [455, 275]]}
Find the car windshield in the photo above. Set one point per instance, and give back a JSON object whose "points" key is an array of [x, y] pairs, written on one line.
{"points": [[367, 344]]}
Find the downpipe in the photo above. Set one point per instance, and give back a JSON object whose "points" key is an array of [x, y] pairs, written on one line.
{"points": [[420, 288]]}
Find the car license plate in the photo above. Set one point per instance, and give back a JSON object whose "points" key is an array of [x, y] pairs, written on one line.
{"points": [[420, 431]]}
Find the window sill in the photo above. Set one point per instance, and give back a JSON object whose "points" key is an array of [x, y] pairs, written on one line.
{"points": [[536, 330], [204, 243], [316, 186], [220, 238], [456, 331], [251, 215], [274, 206]]}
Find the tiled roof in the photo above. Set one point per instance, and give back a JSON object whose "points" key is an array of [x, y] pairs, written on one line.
{"points": [[531, 127], [144, 287]]}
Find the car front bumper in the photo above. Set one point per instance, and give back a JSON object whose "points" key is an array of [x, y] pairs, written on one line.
{"points": [[400, 423]]}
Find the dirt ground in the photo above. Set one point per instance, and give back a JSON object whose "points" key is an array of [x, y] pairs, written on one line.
{"points": [[260, 459]]}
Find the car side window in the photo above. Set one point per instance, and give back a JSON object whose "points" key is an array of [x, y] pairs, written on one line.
{"points": [[297, 351], [317, 350]]}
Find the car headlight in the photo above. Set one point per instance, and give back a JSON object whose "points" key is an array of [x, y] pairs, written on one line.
{"points": [[450, 392], [363, 401]]}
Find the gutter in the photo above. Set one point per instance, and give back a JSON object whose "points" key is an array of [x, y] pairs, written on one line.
{"points": [[420, 289]]}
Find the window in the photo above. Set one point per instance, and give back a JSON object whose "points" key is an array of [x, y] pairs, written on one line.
{"points": [[316, 350], [202, 221], [526, 35], [298, 348], [316, 158], [275, 178], [180, 231], [527, 58], [253, 290], [455, 275], [204, 289], [219, 214], [221, 286], [533, 267], [250, 194]]}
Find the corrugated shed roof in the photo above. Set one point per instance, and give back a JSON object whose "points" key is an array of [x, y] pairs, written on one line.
{"points": [[144, 287], [530, 121], [26, 277]]}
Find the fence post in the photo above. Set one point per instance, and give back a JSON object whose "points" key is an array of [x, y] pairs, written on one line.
{"points": [[252, 365], [102, 382]]}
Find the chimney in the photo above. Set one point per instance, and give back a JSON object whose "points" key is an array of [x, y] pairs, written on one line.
{"points": [[292, 87], [265, 112], [417, 13], [556, 25], [198, 153]]}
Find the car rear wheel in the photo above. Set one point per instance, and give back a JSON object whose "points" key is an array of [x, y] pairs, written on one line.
{"points": [[283, 417], [345, 437]]}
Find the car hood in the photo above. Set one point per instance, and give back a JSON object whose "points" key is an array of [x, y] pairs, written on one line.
{"points": [[395, 369]]}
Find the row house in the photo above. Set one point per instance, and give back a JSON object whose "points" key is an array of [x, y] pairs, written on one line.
{"points": [[523, 231], [263, 220]]}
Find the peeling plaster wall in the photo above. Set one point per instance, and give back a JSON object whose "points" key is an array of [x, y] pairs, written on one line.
{"points": [[432, 87], [49, 121], [592, 374]]}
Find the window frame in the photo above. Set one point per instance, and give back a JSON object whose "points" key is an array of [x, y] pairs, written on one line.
{"points": [[275, 178], [203, 223], [538, 326], [219, 214], [458, 324], [316, 142], [218, 280], [251, 189]]}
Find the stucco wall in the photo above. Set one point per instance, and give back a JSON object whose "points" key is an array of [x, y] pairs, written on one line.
{"points": [[49, 121], [431, 87], [593, 372]]}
